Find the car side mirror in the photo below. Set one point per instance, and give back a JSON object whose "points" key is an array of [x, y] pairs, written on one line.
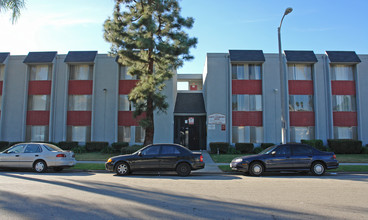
{"points": [[140, 153], [273, 153]]}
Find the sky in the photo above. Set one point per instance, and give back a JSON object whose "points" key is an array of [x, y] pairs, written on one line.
{"points": [[220, 25]]}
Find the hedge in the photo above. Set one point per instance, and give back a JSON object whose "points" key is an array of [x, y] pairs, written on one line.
{"points": [[264, 146], [117, 146], [345, 146], [315, 143], [3, 145], [67, 145], [221, 146], [244, 148], [130, 149], [95, 146]]}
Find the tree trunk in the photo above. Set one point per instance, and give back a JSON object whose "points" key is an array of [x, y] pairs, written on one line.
{"points": [[150, 130]]}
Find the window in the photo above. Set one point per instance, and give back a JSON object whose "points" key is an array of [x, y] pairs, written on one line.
{"points": [[300, 71], [301, 133], [247, 102], [124, 134], [125, 104], [81, 72], [283, 150], [247, 134], [153, 150], [2, 73], [247, 71], [40, 72], [33, 148], [301, 150], [79, 133], [123, 73], [169, 150], [301, 103], [139, 134], [37, 133], [38, 103], [345, 133], [80, 103], [17, 149], [342, 72], [343, 103]]}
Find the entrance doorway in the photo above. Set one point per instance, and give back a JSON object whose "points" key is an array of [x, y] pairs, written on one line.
{"points": [[190, 131]]}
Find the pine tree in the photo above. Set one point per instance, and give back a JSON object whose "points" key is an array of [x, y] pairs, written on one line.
{"points": [[14, 6], [148, 37]]}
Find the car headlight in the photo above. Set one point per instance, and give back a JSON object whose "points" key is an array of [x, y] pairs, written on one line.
{"points": [[109, 160], [238, 160]]}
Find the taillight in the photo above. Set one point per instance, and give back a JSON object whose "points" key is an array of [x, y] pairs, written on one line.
{"points": [[201, 158], [61, 155], [334, 156]]}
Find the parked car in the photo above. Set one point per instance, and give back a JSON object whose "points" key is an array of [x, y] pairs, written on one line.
{"points": [[39, 156], [286, 157], [157, 157]]}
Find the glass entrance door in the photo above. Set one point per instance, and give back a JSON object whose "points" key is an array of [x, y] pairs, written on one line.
{"points": [[190, 131]]}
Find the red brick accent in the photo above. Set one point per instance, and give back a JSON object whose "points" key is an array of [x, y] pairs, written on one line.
{"points": [[302, 119], [1, 87], [301, 87], [38, 117], [80, 87], [39, 87], [79, 118], [241, 118], [343, 87], [125, 86], [252, 87], [345, 119], [126, 118]]}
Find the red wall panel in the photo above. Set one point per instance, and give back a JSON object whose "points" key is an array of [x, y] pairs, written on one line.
{"points": [[301, 87], [302, 119], [252, 87], [1, 87], [79, 118], [345, 119], [125, 86], [39, 87], [38, 117], [126, 118], [80, 87], [343, 87], [241, 118]]}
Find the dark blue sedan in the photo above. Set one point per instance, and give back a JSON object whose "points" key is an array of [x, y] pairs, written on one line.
{"points": [[286, 157]]}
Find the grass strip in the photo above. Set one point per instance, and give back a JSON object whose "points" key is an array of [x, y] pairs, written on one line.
{"points": [[342, 168]]}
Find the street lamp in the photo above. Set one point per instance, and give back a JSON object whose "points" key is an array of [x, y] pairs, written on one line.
{"points": [[283, 84]]}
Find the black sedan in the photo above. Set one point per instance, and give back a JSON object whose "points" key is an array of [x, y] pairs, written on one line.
{"points": [[286, 157], [157, 157]]}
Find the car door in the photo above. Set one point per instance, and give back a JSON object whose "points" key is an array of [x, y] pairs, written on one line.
{"points": [[280, 159], [148, 158], [302, 156], [10, 158], [30, 154], [168, 157]]}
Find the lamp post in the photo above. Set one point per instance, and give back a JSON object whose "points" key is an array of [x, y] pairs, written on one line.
{"points": [[283, 84]]}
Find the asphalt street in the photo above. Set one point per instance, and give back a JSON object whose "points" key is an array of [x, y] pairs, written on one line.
{"points": [[89, 195]]}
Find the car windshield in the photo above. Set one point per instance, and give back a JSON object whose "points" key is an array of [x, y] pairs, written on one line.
{"points": [[51, 147], [268, 150]]}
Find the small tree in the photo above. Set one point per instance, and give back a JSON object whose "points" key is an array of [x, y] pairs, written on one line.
{"points": [[14, 6], [148, 37]]}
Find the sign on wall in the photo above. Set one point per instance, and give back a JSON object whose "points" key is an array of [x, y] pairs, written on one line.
{"points": [[217, 119]]}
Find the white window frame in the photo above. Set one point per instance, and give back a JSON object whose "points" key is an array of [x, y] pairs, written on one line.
{"points": [[300, 71]]}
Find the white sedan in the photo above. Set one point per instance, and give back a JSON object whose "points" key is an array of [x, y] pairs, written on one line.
{"points": [[39, 156]]}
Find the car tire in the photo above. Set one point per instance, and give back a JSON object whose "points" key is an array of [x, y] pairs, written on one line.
{"points": [[122, 169], [58, 169], [256, 169], [40, 166], [318, 168], [183, 169]]}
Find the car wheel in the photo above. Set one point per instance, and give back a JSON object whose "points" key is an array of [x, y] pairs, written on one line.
{"points": [[318, 168], [183, 169], [256, 169], [58, 169], [40, 166], [122, 169]]}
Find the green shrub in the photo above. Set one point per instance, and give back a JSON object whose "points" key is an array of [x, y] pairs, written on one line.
{"points": [[67, 145], [244, 148], [315, 143], [3, 145], [108, 150], [96, 146], [264, 146], [130, 149], [257, 150], [221, 146], [119, 145], [79, 149], [364, 150], [14, 143], [345, 146], [232, 150]]}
